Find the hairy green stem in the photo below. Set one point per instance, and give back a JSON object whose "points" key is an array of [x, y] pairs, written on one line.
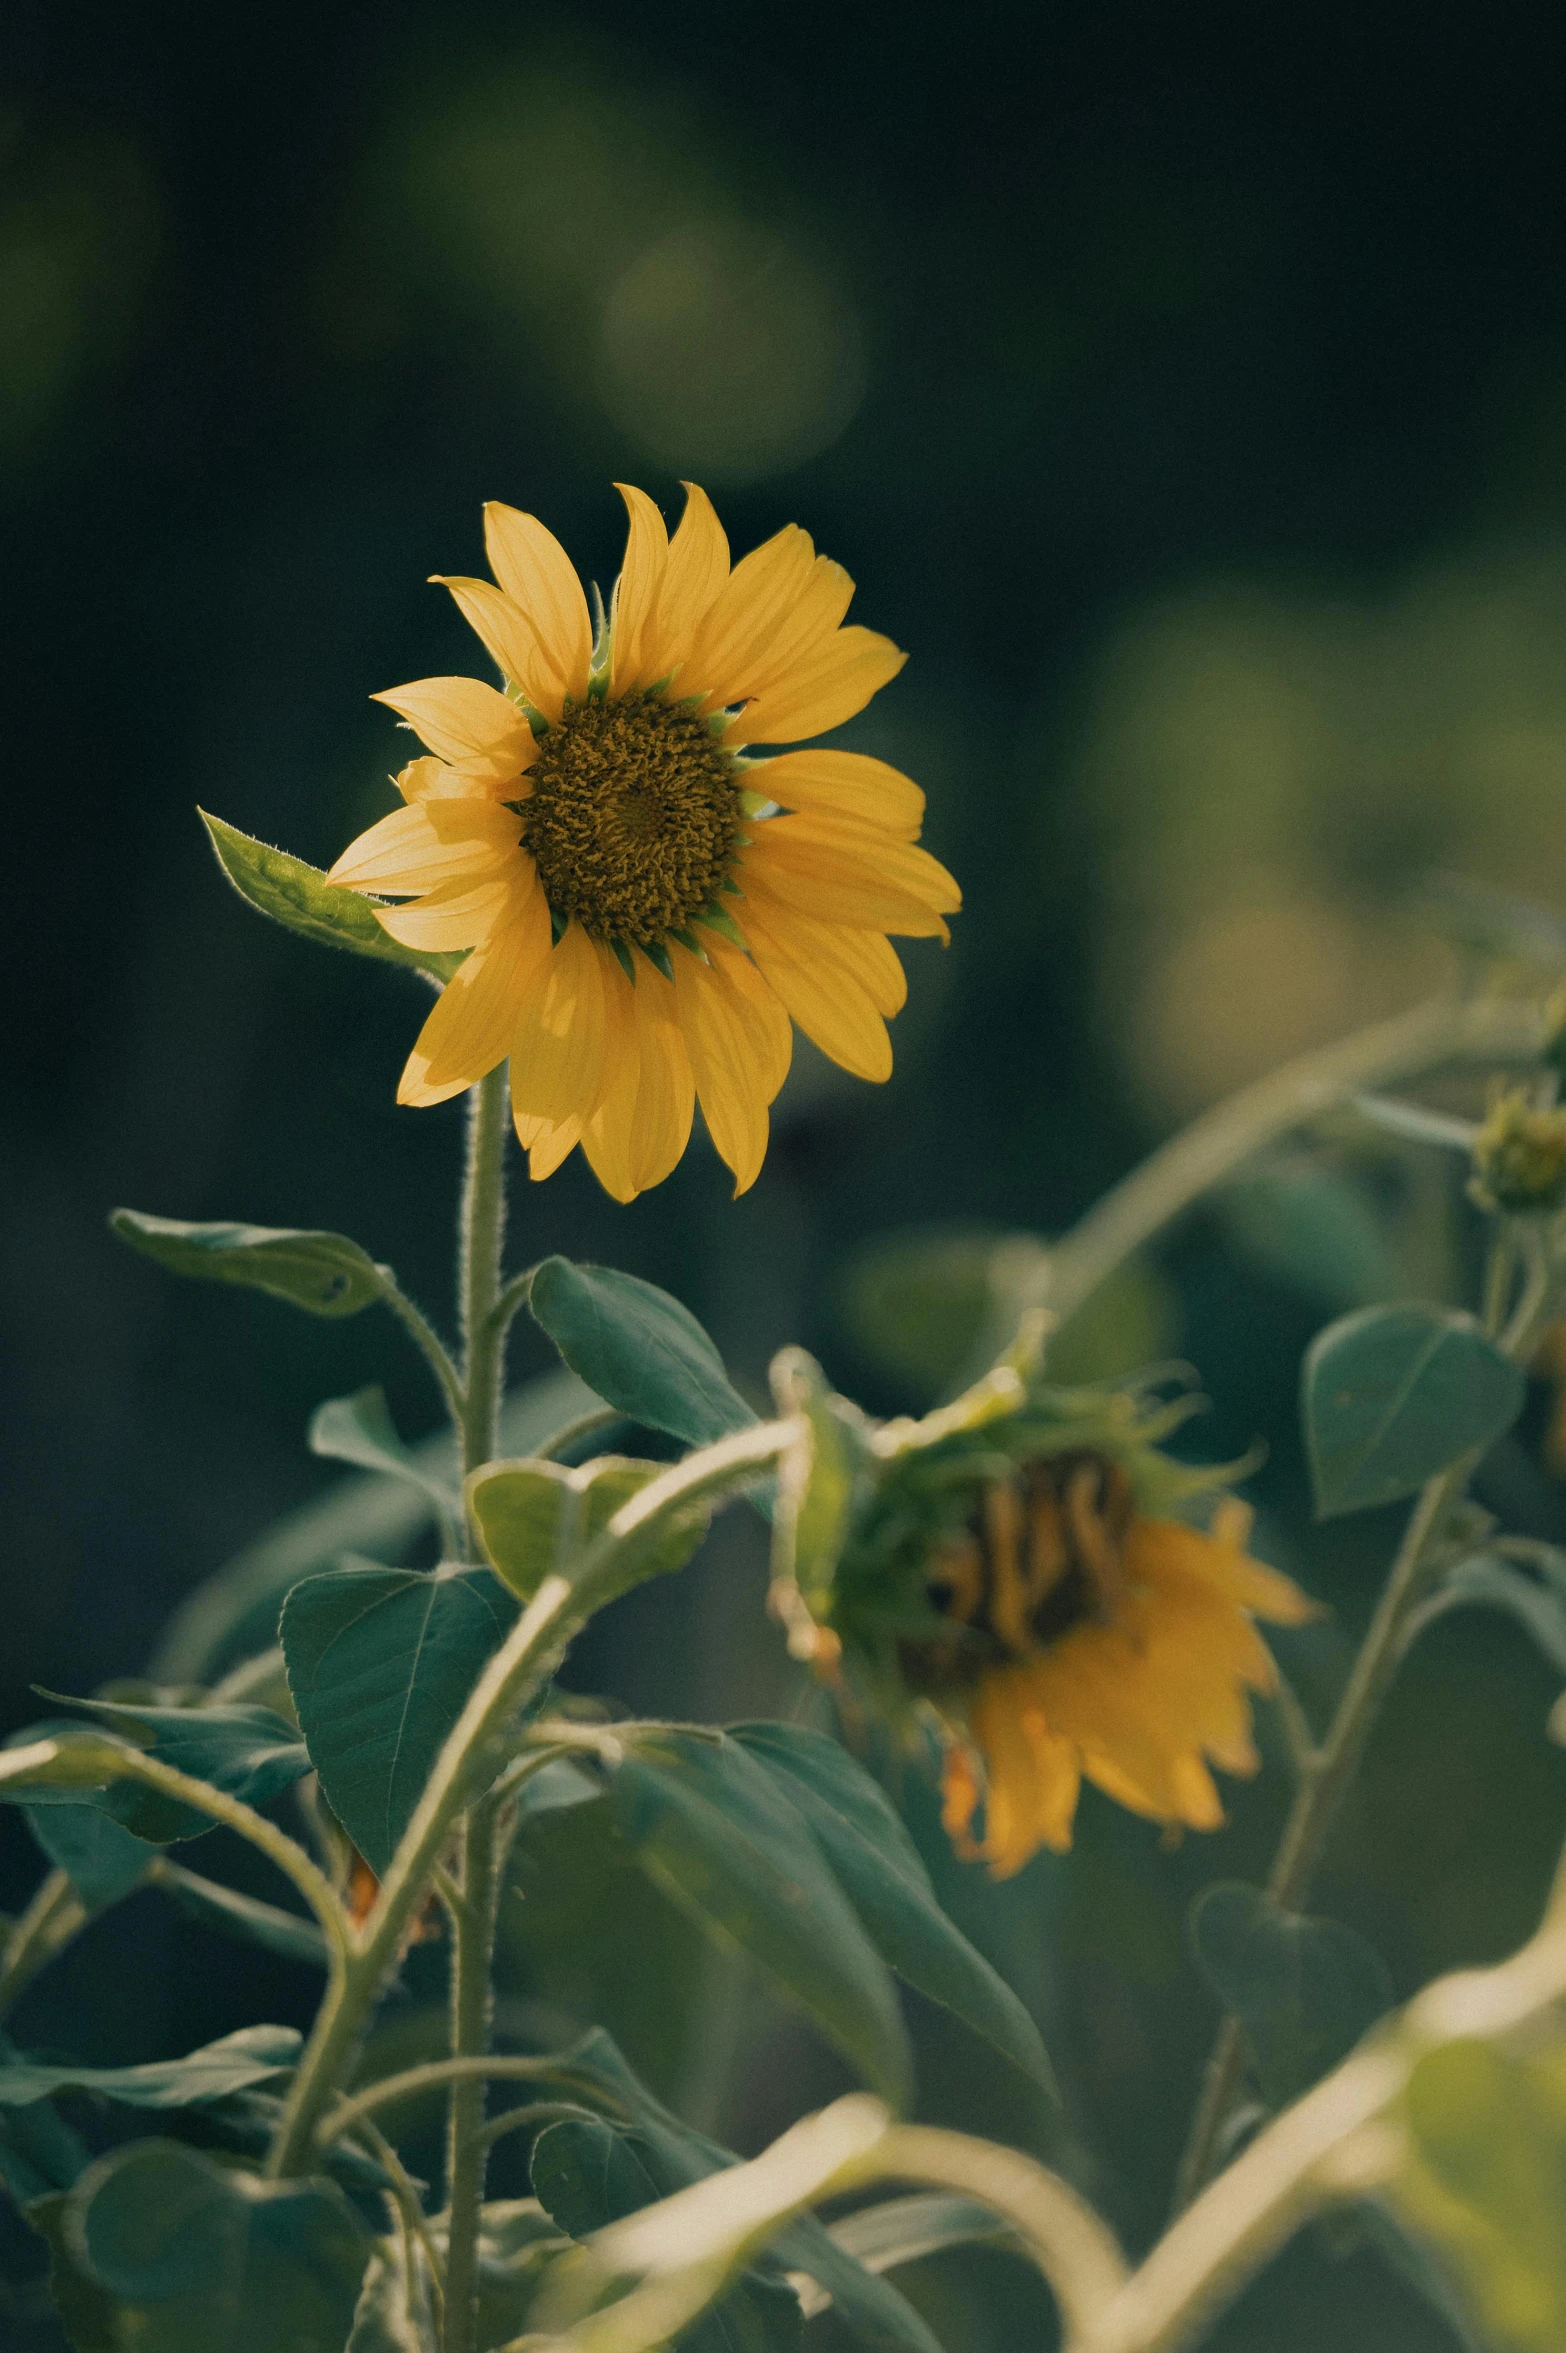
{"points": [[435, 2075], [472, 2015], [481, 1238], [54, 1916], [427, 1341]]}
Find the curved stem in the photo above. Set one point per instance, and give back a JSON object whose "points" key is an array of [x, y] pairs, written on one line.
{"points": [[602, 1417], [55, 1914], [428, 1342], [436, 2075], [513, 1296], [536, 2112], [414, 2220], [1168, 1182]]}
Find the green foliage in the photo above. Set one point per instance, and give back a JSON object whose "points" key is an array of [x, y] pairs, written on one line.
{"points": [[190, 2255], [1393, 1395], [325, 1274], [254, 2055], [102, 1860], [299, 896], [822, 1475], [250, 1753], [1313, 1227], [640, 1350], [536, 1519], [243, 1917], [380, 1665], [360, 1430], [877, 1865], [1536, 1603], [713, 1828], [1487, 2185], [1303, 1990]]}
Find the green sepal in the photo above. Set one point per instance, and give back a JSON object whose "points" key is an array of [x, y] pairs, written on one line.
{"points": [[625, 960], [299, 896], [715, 918], [657, 955]]}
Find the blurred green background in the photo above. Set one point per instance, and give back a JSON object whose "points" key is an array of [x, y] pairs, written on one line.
{"points": [[1185, 389]]}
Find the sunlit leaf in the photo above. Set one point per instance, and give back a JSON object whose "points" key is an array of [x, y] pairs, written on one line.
{"points": [[324, 1273], [299, 896], [1394, 1394], [536, 1518], [245, 1752]]}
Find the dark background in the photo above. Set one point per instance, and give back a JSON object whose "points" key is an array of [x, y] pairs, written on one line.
{"points": [[1185, 389]]}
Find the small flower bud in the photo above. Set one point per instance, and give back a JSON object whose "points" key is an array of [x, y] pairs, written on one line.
{"points": [[1520, 1157]]}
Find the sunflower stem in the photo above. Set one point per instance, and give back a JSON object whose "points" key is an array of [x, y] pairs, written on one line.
{"points": [[480, 1239], [54, 1916]]}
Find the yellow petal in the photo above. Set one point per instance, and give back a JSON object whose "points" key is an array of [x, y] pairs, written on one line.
{"points": [[457, 915], [843, 784], [467, 724], [665, 1093], [845, 874], [771, 1036], [537, 575], [1031, 1773], [827, 1003], [607, 1134], [745, 615], [475, 1015], [502, 628], [405, 852], [698, 566], [833, 682], [636, 592], [557, 1054], [547, 1146], [1250, 1583], [865, 958], [816, 612], [719, 1037], [430, 779]]}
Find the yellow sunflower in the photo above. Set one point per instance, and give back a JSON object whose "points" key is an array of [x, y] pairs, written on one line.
{"points": [[1089, 1641], [646, 905]]}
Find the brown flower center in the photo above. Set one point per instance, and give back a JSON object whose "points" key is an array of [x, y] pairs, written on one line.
{"points": [[633, 817], [1042, 1552]]}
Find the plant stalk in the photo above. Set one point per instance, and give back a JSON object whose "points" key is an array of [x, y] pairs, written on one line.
{"points": [[481, 1237], [472, 2014]]}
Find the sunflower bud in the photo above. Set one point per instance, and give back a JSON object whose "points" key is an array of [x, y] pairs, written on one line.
{"points": [[1520, 1157]]}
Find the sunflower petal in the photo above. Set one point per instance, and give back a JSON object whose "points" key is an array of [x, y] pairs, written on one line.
{"points": [[633, 605], [557, 1052], [608, 1133], [457, 915], [538, 576], [720, 1040], [697, 568], [666, 1092], [501, 627], [847, 874], [467, 724], [746, 614], [843, 784], [828, 1004], [406, 851], [835, 680], [475, 1015]]}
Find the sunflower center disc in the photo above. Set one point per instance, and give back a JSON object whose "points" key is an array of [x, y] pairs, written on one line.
{"points": [[633, 817]]}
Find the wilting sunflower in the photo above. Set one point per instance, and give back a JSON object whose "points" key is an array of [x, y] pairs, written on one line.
{"points": [[647, 904], [1005, 1566]]}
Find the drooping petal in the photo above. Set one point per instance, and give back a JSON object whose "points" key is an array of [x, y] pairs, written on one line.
{"points": [[757, 1001], [467, 724], [1031, 1772], [547, 1146], [502, 628], [829, 685], [719, 1038], [843, 784], [698, 566], [1231, 1571], [635, 599], [849, 874], [475, 1015], [829, 1006], [538, 576], [557, 1052], [666, 1092], [406, 851], [608, 1132], [430, 779], [866, 959], [745, 615]]}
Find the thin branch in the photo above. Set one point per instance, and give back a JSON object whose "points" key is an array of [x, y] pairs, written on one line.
{"points": [[427, 1340], [435, 2075], [535, 2112], [602, 1417], [55, 1915]]}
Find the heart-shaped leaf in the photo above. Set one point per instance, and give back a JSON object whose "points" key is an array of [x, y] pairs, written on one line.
{"points": [[535, 1518], [102, 1860], [877, 1865], [359, 1429], [1304, 1991], [639, 1349], [197, 2255], [299, 896], [325, 1274], [1392, 1395], [380, 1664], [712, 1827]]}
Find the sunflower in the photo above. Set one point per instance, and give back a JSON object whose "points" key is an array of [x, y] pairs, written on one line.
{"points": [[648, 905], [1004, 1572]]}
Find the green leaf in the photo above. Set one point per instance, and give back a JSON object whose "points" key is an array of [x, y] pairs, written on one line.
{"points": [[246, 1752], [102, 1860], [1304, 1991], [198, 2255], [234, 1611], [325, 1274], [906, 2230], [1487, 2188], [1487, 1583], [821, 1476], [243, 1917], [359, 1429], [586, 2175], [381, 1663], [253, 2055], [1313, 1228], [87, 2313], [712, 1827], [39, 2152], [641, 1351], [299, 896], [536, 1518], [1392, 1395], [878, 1868]]}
